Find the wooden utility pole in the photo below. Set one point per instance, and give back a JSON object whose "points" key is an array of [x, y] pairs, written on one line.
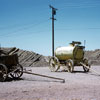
{"points": [[53, 13]]}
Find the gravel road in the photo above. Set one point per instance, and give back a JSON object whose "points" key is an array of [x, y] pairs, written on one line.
{"points": [[78, 86]]}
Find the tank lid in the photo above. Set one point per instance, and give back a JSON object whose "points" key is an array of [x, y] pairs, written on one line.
{"points": [[75, 43]]}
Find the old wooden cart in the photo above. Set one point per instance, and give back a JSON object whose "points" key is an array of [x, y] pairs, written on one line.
{"points": [[9, 65]]}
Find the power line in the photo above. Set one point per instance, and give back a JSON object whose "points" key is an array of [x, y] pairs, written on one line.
{"points": [[78, 4], [91, 28], [22, 29], [29, 33], [25, 24]]}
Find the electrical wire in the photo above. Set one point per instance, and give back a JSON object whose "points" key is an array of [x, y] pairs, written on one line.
{"points": [[22, 29], [24, 34], [78, 4], [78, 28], [23, 25]]}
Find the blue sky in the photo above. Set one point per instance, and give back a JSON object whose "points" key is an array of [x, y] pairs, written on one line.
{"points": [[26, 24]]}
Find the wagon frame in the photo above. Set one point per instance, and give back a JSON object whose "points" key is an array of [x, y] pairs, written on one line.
{"points": [[9, 65]]}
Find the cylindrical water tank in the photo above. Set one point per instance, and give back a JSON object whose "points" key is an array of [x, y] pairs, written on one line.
{"points": [[69, 52]]}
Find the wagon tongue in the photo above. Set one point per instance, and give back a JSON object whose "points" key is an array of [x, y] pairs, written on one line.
{"points": [[27, 72], [90, 68]]}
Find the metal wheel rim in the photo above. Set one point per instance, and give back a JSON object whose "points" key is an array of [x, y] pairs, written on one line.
{"points": [[70, 66], [3, 72], [54, 64], [18, 72]]}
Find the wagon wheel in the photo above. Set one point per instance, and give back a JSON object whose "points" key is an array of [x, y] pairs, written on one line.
{"points": [[18, 72], [70, 65], [85, 61], [3, 72], [54, 64]]}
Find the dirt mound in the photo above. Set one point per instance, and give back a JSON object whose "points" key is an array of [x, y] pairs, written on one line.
{"points": [[29, 58]]}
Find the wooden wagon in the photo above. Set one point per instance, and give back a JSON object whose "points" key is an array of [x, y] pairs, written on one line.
{"points": [[9, 65]]}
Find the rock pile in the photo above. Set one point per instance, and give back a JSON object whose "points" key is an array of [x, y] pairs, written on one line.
{"points": [[93, 56], [29, 58]]}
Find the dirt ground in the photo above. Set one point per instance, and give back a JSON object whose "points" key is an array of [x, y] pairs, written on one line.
{"points": [[77, 86]]}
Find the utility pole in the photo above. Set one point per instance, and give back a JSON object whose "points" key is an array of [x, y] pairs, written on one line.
{"points": [[53, 13]]}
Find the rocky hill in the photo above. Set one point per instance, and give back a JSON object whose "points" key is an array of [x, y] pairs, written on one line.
{"points": [[31, 59], [93, 56]]}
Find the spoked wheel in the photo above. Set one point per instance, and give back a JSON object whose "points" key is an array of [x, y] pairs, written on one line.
{"points": [[18, 72], [3, 72], [85, 61], [54, 64], [70, 65]]}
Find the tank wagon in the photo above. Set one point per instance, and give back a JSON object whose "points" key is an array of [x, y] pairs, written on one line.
{"points": [[68, 57]]}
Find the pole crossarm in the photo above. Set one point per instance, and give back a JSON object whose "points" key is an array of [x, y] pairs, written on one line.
{"points": [[52, 7]]}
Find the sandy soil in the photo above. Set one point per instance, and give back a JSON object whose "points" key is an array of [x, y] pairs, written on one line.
{"points": [[78, 86]]}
